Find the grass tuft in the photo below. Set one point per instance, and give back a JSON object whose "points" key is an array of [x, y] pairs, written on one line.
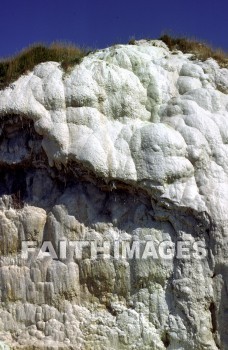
{"points": [[12, 68], [199, 49]]}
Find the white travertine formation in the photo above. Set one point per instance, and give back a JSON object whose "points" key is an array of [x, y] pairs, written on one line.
{"points": [[151, 126]]}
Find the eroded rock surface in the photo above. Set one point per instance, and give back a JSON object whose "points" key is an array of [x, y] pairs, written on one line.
{"points": [[130, 145]]}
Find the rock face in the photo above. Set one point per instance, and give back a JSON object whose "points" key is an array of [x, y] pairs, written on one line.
{"points": [[129, 146]]}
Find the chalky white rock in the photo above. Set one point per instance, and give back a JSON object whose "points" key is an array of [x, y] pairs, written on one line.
{"points": [[131, 142]]}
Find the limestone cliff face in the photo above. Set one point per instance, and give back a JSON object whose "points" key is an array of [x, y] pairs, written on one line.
{"points": [[130, 145]]}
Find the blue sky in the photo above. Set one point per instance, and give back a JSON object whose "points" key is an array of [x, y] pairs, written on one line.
{"points": [[99, 23]]}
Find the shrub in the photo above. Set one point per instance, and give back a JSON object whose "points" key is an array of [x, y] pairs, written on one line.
{"points": [[12, 68], [131, 40], [200, 50]]}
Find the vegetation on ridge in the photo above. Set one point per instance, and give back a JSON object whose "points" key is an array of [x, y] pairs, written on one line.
{"points": [[199, 49], [68, 55], [12, 68]]}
